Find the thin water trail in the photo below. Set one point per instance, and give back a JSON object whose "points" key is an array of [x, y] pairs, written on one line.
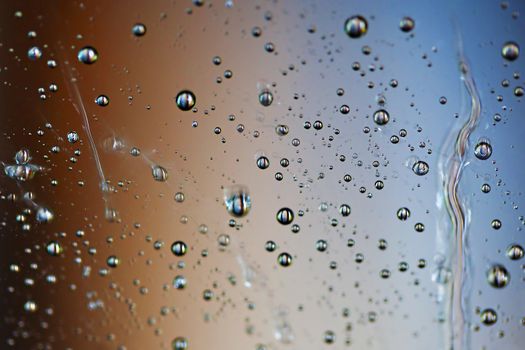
{"points": [[78, 103], [451, 168], [79, 106]]}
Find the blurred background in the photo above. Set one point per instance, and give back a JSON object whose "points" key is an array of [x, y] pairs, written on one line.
{"points": [[262, 174]]}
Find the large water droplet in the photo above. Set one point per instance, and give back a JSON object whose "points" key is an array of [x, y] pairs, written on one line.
{"points": [[356, 26], [179, 248], [102, 100], [22, 156], [185, 100], [237, 200], [420, 168], [159, 173], [488, 317], [381, 117], [113, 261], [284, 259], [54, 248], [265, 98], [34, 53], [285, 216], [87, 55], [403, 214], [179, 343], [510, 51], [483, 150], [498, 276], [406, 24], [44, 215], [515, 252]]}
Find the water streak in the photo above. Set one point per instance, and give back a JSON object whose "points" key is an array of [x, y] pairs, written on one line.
{"points": [[451, 171], [78, 103]]}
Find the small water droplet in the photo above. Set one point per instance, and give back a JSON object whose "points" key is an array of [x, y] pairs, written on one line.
{"points": [[139, 29], [406, 24], [102, 100]]}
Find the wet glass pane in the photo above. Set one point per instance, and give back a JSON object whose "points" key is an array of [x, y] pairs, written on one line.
{"points": [[262, 175]]}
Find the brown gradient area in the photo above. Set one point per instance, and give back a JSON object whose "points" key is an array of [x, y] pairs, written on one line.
{"points": [[141, 76]]}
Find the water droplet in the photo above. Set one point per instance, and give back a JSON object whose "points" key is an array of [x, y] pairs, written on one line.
{"points": [[22, 156], [498, 276], [179, 282], [270, 246], [72, 137], [256, 32], [265, 98], [102, 100], [329, 337], [263, 162], [179, 197], [21, 172], [207, 294], [159, 173], [113, 261], [223, 240], [134, 151], [217, 60], [285, 216], [496, 224], [356, 26], [54, 248], [403, 214], [321, 245], [284, 259], [87, 55], [488, 317], [44, 215], [483, 150], [237, 200], [515, 252], [381, 117], [345, 209], [139, 29], [34, 53], [282, 130], [185, 100], [510, 51], [179, 248], [420, 168], [179, 343], [406, 24], [419, 227], [30, 306], [52, 63], [269, 47]]}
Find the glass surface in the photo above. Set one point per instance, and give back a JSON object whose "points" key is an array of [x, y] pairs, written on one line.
{"points": [[262, 174]]}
